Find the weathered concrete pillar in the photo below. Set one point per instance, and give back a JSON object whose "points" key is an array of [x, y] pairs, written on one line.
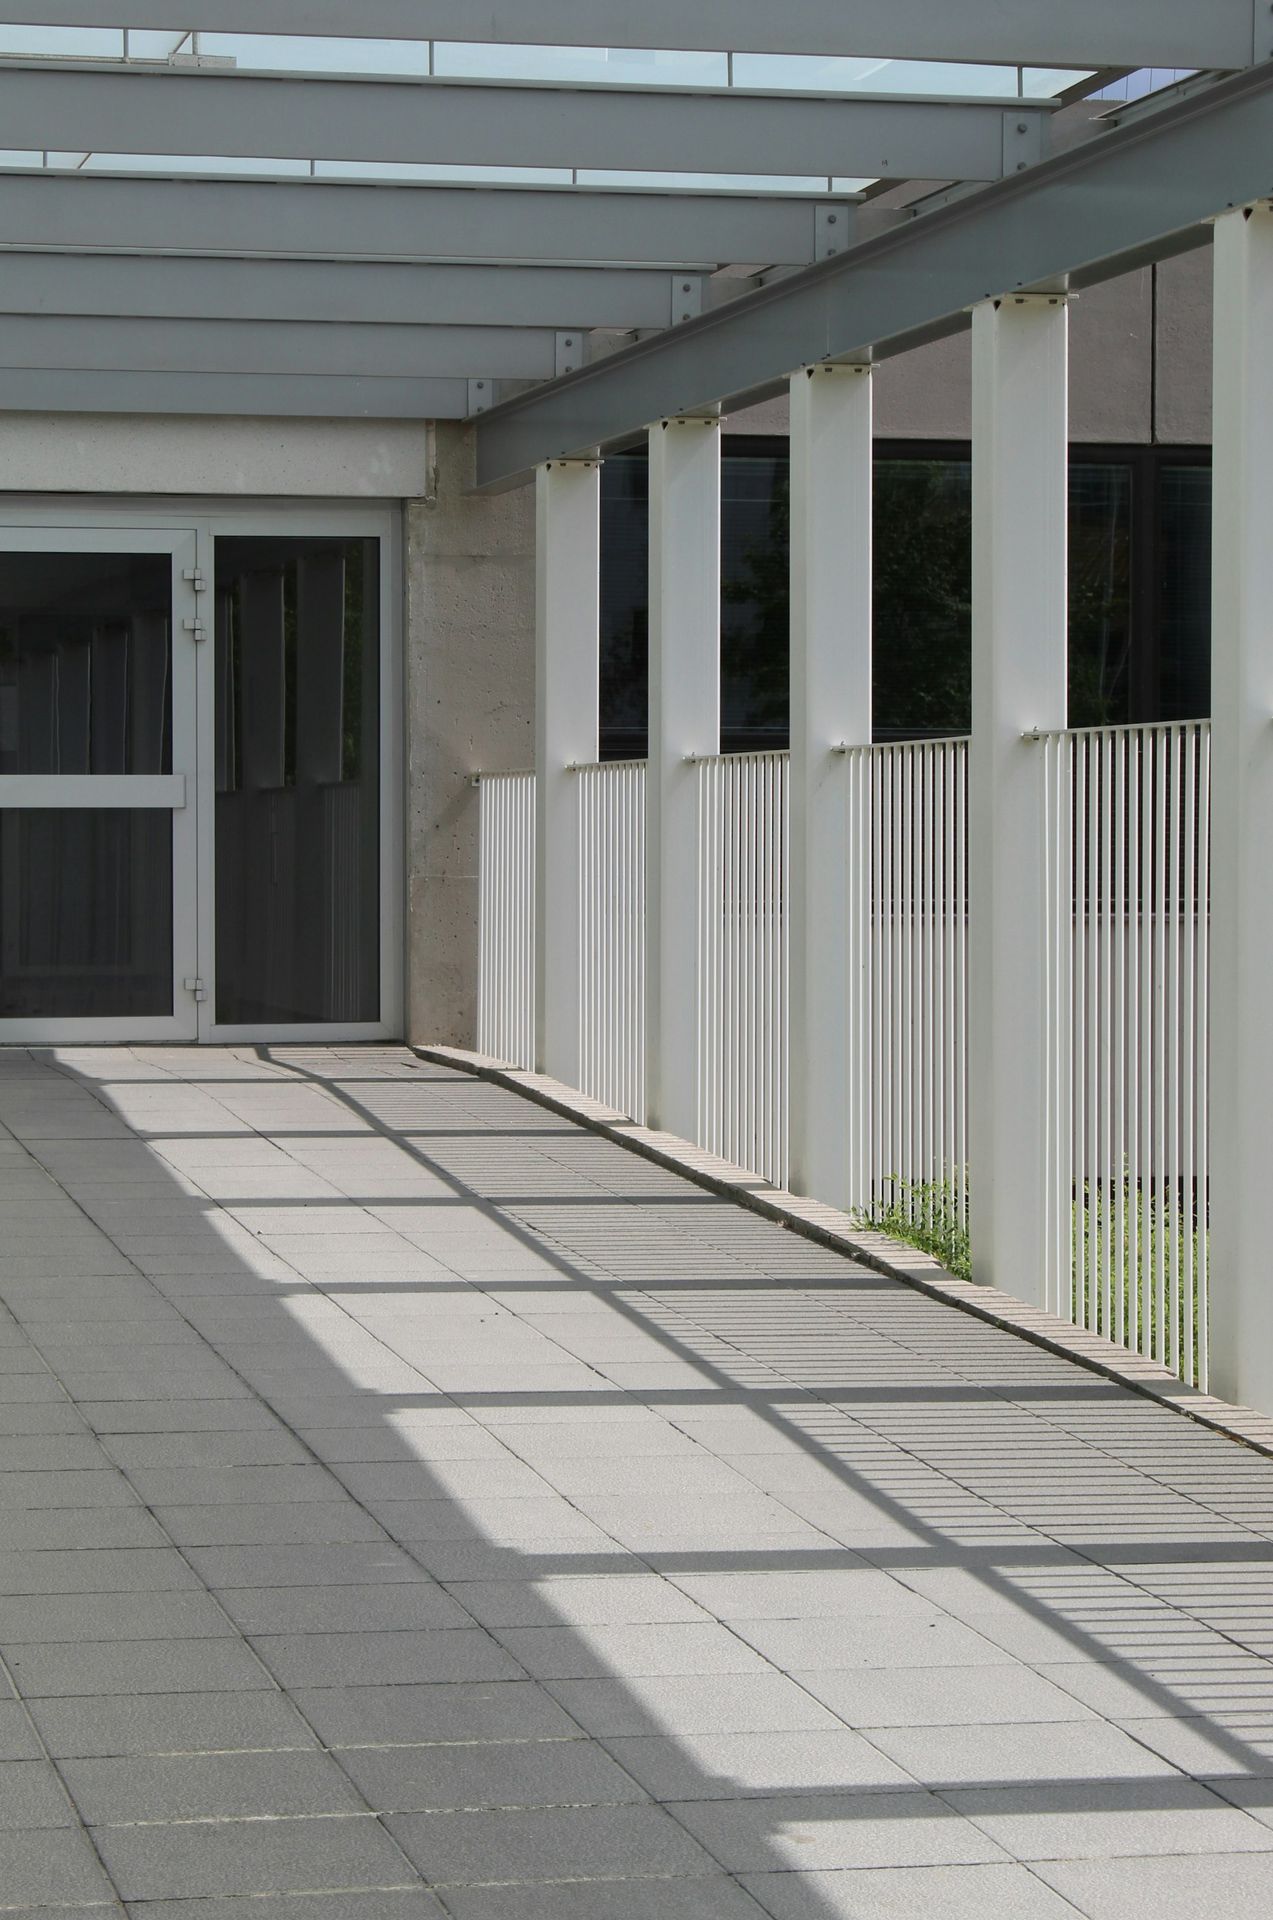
{"points": [[470, 704]]}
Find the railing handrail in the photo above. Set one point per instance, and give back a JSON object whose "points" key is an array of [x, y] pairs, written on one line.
{"points": [[604, 766], [895, 746], [775, 754], [1114, 729]]}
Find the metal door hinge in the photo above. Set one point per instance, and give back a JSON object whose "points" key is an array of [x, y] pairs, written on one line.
{"points": [[196, 629], [197, 578], [197, 988]]}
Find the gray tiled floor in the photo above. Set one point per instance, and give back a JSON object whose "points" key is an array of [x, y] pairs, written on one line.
{"points": [[412, 1505]]}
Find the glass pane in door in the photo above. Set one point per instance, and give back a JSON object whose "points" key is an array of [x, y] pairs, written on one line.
{"points": [[297, 781], [85, 663], [86, 893], [85, 913]]}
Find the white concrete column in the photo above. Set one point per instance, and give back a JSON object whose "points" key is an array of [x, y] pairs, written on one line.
{"points": [[1241, 1286], [684, 722], [831, 495], [567, 677], [1019, 653]]}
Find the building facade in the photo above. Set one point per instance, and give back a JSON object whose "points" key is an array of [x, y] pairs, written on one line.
{"points": [[269, 657]]}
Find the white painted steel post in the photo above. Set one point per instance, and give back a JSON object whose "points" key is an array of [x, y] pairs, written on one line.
{"points": [[831, 495], [1242, 813], [1020, 599], [567, 670], [684, 724]]}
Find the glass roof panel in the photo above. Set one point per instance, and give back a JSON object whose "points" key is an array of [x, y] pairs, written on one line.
{"points": [[150, 44], [422, 170], [797, 72], [283, 53], [804, 184], [62, 43], [617, 66]]}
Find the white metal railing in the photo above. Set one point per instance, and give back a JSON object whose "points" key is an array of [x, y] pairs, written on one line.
{"points": [[506, 939], [743, 930], [612, 934], [906, 840], [1127, 940]]}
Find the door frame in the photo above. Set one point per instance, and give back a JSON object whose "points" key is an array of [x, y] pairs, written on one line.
{"points": [[176, 792], [114, 521]]}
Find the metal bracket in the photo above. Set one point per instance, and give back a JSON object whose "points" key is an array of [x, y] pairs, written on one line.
{"points": [[1022, 141], [568, 354], [832, 231], [687, 297], [481, 395]]}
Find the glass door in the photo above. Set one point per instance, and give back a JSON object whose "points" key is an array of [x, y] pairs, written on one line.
{"points": [[99, 633], [293, 863]]}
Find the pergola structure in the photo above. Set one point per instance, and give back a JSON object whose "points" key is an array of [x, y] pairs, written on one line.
{"points": [[574, 265]]}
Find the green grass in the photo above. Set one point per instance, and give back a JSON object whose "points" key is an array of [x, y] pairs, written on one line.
{"points": [[1127, 1231], [926, 1214], [1134, 1235]]}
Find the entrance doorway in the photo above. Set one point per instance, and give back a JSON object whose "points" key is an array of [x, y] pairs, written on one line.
{"points": [[196, 806]]}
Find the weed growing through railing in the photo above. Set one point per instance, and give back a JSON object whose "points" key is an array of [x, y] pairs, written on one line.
{"points": [[928, 1214], [1136, 1260], [1139, 1270]]}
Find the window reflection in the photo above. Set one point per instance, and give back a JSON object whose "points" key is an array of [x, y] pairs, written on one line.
{"points": [[1139, 592], [85, 914], [85, 663], [298, 781]]}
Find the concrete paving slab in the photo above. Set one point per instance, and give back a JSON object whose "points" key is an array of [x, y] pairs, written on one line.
{"points": [[840, 1602]]}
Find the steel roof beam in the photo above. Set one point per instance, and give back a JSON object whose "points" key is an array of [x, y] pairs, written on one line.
{"points": [[259, 395], [52, 341], [118, 109], [129, 286], [1084, 33], [1133, 195], [335, 220]]}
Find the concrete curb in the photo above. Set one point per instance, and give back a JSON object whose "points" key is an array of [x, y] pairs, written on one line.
{"points": [[839, 1233]]}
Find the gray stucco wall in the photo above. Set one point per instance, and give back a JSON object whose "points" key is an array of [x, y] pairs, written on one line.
{"points": [[1120, 390], [1140, 371], [470, 693]]}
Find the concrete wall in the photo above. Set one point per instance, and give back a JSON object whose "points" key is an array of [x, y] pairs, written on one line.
{"points": [[470, 694], [157, 454]]}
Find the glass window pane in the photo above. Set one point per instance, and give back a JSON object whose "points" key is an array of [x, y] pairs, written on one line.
{"points": [[1100, 594], [85, 663], [755, 602], [297, 743], [85, 913], [1185, 686], [923, 598], [625, 606]]}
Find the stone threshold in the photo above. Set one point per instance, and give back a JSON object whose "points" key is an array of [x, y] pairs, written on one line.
{"points": [[836, 1230]]}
